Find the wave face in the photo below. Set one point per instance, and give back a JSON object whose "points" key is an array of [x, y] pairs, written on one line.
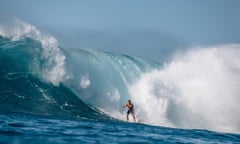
{"points": [[39, 77], [197, 89], [31, 72]]}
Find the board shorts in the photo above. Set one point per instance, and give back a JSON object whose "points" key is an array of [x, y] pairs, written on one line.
{"points": [[129, 111]]}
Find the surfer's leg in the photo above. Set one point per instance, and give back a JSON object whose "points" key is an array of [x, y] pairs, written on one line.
{"points": [[127, 114], [133, 115]]}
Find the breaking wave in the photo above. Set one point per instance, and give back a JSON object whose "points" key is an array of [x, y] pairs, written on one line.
{"points": [[197, 89]]}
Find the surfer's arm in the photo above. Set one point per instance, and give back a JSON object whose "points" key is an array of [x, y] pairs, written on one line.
{"points": [[124, 106]]}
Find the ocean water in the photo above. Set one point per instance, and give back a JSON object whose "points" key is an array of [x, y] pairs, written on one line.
{"points": [[18, 128], [53, 94]]}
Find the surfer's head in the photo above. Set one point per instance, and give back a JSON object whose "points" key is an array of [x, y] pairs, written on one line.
{"points": [[129, 101]]}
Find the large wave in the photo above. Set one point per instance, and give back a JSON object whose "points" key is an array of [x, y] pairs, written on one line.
{"points": [[32, 72], [36, 64], [197, 89]]}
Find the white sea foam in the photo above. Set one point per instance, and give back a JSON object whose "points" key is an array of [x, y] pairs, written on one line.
{"points": [[85, 81], [54, 70], [198, 89]]}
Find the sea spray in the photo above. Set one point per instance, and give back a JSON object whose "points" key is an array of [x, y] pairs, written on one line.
{"points": [[198, 89], [53, 70]]}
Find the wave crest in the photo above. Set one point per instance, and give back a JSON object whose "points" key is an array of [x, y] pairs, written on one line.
{"points": [[54, 69]]}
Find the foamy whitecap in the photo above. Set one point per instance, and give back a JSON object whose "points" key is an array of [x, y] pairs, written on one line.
{"points": [[54, 70], [198, 89]]}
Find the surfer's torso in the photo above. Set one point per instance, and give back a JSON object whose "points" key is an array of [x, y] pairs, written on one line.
{"points": [[130, 108]]}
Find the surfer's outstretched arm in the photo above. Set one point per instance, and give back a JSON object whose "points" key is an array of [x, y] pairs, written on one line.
{"points": [[123, 107]]}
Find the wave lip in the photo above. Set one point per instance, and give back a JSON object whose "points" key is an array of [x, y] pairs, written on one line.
{"points": [[54, 70]]}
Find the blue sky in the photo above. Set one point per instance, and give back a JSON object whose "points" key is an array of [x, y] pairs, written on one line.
{"points": [[144, 28]]}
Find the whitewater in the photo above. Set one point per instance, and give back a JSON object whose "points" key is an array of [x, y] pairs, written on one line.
{"points": [[192, 98]]}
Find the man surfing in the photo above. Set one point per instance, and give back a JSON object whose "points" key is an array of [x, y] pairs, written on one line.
{"points": [[130, 110]]}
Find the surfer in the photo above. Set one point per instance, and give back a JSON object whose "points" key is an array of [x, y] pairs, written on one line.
{"points": [[130, 109]]}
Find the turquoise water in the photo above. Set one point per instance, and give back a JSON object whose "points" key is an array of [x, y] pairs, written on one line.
{"points": [[51, 94]]}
